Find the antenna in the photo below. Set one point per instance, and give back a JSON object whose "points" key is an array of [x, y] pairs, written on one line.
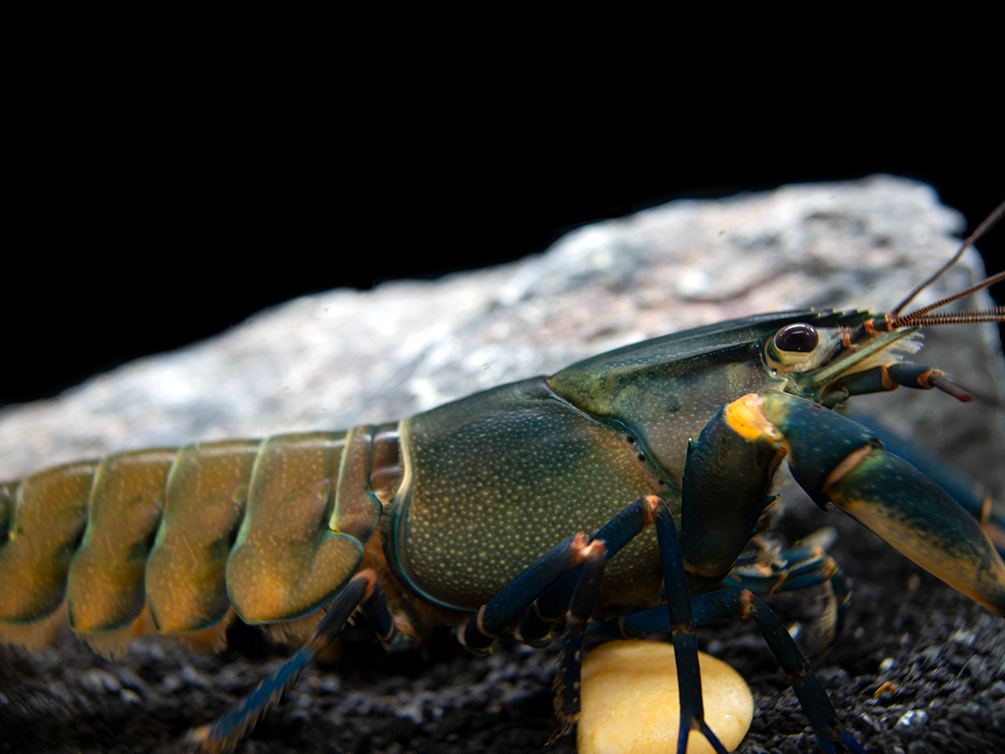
{"points": [[984, 227]]}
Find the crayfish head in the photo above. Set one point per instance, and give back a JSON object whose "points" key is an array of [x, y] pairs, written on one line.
{"points": [[826, 364], [866, 356]]}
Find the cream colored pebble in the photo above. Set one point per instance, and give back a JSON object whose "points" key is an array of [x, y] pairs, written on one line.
{"points": [[630, 701]]}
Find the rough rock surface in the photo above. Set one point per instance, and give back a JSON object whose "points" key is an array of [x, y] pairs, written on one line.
{"points": [[332, 360]]}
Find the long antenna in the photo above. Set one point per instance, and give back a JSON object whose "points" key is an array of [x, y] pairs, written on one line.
{"points": [[922, 317], [915, 318], [984, 227]]}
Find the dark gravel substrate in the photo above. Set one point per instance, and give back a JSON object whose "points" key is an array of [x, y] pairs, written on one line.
{"points": [[943, 655]]}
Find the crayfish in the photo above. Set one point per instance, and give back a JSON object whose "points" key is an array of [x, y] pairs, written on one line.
{"points": [[499, 512]]}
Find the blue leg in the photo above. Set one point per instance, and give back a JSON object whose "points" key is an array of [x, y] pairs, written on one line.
{"points": [[228, 730], [676, 614], [502, 611], [552, 592], [804, 564], [552, 605], [740, 603], [682, 630], [585, 596]]}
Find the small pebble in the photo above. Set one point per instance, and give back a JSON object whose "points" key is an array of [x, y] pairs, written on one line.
{"points": [[630, 701]]}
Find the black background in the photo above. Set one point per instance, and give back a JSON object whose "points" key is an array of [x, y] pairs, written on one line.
{"points": [[140, 241]]}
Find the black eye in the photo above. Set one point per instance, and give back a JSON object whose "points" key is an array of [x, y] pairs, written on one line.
{"points": [[797, 339]]}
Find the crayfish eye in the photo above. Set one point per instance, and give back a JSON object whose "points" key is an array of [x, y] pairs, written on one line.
{"points": [[796, 348], [798, 338]]}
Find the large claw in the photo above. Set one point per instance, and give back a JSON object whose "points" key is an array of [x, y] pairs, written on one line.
{"points": [[837, 460], [974, 498]]}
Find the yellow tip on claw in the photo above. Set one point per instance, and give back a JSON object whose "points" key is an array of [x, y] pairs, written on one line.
{"points": [[746, 417]]}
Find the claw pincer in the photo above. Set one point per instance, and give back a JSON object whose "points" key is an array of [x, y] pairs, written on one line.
{"points": [[839, 461]]}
